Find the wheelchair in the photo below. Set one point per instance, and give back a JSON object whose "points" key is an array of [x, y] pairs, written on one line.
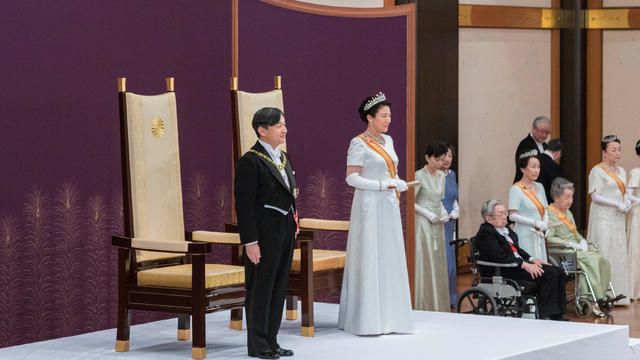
{"points": [[567, 259], [495, 295]]}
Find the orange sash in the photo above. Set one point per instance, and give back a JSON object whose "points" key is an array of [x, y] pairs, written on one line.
{"points": [[563, 218], [382, 152], [534, 199], [615, 178]]}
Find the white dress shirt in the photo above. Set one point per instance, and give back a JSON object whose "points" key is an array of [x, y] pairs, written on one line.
{"points": [[539, 145], [275, 155]]}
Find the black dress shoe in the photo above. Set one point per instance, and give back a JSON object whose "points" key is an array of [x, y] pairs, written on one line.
{"points": [[559, 318], [267, 354], [284, 352]]}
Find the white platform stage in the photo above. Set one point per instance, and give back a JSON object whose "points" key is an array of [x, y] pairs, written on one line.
{"points": [[438, 336]]}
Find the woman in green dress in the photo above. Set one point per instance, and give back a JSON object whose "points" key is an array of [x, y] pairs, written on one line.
{"points": [[431, 276], [562, 231]]}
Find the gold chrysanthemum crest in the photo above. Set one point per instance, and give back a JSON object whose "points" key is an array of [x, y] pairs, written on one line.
{"points": [[157, 127]]}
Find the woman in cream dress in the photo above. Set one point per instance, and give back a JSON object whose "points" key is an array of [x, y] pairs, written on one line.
{"points": [[607, 228], [431, 277], [633, 231], [375, 297]]}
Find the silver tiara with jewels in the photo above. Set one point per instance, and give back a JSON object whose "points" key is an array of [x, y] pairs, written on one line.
{"points": [[531, 153], [380, 97], [610, 138]]}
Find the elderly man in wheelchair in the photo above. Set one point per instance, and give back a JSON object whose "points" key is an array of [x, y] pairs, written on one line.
{"points": [[570, 250], [511, 282]]}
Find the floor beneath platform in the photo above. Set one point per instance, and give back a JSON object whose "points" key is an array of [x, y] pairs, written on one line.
{"points": [[622, 315], [437, 336]]}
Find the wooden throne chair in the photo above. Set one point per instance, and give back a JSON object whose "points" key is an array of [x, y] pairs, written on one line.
{"points": [[160, 266], [312, 270]]}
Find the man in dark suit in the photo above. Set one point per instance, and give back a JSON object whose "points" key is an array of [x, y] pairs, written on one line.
{"points": [[535, 140], [550, 166], [498, 243], [265, 192]]}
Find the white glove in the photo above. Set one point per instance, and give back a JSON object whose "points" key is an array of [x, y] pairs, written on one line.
{"points": [[630, 198], [428, 214], [542, 225], [359, 182], [517, 218], [400, 184], [583, 245], [624, 207], [574, 246], [444, 215], [455, 213], [605, 201]]}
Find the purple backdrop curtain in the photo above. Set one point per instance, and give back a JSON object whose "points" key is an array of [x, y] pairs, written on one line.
{"points": [[61, 192], [328, 65]]}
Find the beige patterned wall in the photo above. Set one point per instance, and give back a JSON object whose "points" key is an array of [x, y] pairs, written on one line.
{"points": [[504, 84], [620, 3], [621, 90]]}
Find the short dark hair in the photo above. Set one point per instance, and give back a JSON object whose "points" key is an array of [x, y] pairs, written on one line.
{"points": [[638, 148], [373, 110], [450, 147], [523, 162], [436, 149], [608, 139], [265, 117], [556, 145]]}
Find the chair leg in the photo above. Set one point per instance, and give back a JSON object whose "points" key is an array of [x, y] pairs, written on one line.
{"points": [[124, 315], [198, 306], [306, 272], [236, 319], [184, 327], [292, 307]]}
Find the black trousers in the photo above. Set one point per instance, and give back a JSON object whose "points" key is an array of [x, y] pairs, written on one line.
{"points": [[551, 292], [266, 282]]}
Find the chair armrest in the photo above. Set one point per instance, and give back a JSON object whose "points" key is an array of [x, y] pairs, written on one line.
{"points": [[558, 246], [160, 245], [322, 224], [501, 265], [215, 237]]}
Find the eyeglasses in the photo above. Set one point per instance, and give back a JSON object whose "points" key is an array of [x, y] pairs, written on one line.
{"points": [[499, 214]]}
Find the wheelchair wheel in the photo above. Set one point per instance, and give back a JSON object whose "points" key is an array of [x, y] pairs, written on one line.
{"points": [[583, 308], [476, 301]]}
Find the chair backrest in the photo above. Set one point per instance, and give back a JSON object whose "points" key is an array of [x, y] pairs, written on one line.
{"points": [[151, 159], [245, 105]]}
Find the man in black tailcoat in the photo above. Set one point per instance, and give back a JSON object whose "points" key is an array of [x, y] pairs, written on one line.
{"points": [[265, 191], [535, 140], [497, 243]]}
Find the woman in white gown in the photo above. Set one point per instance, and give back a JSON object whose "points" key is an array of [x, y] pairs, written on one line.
{"points": [[609, 205], [527, 207], [633, 231], [375, 296]]}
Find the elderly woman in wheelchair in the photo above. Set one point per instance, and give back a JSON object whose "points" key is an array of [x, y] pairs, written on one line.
{"points": [[511, 282], [569, 249]]}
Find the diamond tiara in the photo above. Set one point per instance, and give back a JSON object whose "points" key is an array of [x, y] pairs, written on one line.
{"points": [[533, 152], [610, 138], [380, 97]]}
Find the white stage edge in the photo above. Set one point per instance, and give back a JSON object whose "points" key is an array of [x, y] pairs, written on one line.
{"points": [[438, 336]]}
